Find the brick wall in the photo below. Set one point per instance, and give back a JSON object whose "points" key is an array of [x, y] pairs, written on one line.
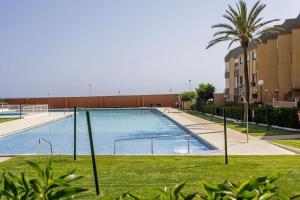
{"points": [[130, 101]]}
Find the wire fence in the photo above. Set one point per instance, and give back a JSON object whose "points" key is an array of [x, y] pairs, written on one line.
{"points": [[23, 109]]}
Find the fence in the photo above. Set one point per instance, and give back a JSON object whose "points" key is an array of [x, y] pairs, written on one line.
{"points": [[7, 110]]}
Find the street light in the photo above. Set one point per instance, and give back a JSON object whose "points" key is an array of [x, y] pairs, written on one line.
{"points": [[190, 83], [261, 83], [90, 85]]}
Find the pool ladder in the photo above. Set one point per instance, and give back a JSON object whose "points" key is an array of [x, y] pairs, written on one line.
{"points": [[47, 141], [152, 141]]}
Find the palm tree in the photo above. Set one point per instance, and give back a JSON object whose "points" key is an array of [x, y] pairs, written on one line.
{"points": [[243, 27]]}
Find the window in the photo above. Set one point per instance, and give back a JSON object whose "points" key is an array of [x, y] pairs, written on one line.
{"points": [[254, 78], [235, 82], [236, 64], [241, 81], [241, 60], [253, 55], [227, 67], [227, 83], [248, 57]]}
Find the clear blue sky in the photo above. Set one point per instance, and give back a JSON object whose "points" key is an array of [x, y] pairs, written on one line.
{"points": [[137, 47]]}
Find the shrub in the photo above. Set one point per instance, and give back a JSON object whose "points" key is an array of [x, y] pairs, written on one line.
{"points": [[262, 188], [284, 117]]}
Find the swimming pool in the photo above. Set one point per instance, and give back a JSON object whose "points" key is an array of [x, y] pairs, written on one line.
{"points": [[108, 125]]}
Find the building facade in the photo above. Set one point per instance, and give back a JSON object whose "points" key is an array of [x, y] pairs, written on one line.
{"points": [[276, 61]]}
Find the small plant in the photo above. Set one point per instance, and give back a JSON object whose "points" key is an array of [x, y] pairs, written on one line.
{"points": [[44, 187], [174, 193], [260, 188]]}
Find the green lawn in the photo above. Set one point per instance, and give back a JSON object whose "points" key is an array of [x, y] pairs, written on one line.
{"points": [[289, 142], [6, 119], [254, 130], [142, 174]]}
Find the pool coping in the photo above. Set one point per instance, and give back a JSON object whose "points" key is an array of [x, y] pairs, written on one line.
{"points": [[212, 132], [211, 146], [36, 125]]}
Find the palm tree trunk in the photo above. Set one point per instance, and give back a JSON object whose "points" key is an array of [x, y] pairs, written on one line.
{"points": [[246, 74], [246, 78]]}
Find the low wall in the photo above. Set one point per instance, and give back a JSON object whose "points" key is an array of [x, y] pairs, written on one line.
{"points": [[130, 101]]}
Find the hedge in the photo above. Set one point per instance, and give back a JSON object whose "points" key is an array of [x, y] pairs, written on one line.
{"points": [[284, 117]]}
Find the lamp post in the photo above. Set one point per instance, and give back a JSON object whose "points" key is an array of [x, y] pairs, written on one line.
{"points": [[90, 86], [170, 91], [261, 83], [119, 92], [190, 84]]}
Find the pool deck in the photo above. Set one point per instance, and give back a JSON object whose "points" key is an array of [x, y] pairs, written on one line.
{"points": [[14, 126], [213, 134]]}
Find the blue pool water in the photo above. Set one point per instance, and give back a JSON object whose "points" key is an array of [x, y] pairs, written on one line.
{"points": [[107, 126]]}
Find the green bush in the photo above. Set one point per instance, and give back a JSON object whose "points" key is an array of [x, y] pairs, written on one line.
{"points": [[260, 188], [284, 117]]}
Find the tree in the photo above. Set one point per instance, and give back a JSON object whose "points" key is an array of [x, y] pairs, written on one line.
{"points": [[187, 97], [243, 26], [205, 91]]}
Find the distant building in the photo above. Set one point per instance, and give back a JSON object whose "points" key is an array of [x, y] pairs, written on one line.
{"points": [[276, 61]]}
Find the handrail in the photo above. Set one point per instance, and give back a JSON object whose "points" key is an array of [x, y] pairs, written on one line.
{"points": [[47, 141], [162, 114], [152, 140]]}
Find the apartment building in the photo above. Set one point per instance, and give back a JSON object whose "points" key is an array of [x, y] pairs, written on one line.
{"points": [[276, 61]]}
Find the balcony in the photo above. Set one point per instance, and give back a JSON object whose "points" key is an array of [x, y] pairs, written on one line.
{"points": [[227, 74], [236, 91], [236, 71], [226, 92]]}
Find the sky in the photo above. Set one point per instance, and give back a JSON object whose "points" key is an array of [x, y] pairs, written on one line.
{"points": [[60, 47]]}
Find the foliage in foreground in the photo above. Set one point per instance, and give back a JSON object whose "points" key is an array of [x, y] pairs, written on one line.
{"points": [[260, 188], [42, 187]]}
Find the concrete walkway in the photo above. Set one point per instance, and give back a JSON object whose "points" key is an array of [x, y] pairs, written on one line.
{"points": [[213, 134], [4, 158], [280, 137], [11, 127]]}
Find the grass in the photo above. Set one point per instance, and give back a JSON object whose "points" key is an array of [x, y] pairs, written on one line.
{"points": [[254, 130], [142, 174], [6, 119], [289, 142]]}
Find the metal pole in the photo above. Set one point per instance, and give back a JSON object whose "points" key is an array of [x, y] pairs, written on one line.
{"points": [[267, 121], [261, 95], [247, 107], [115, 147], [225, 136], [75, 132], [92, 152], [189, 144], [152, 146]]}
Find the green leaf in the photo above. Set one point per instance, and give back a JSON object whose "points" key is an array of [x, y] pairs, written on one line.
{"points": [[67, 192], [36, 168]]}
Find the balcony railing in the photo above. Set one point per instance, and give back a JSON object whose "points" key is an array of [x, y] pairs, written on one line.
{"points": [[227, 74]]}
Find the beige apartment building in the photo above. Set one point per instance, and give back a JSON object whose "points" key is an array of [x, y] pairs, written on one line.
{"points": [[276, 61]]}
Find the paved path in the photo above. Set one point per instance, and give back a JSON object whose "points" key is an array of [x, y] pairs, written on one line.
{"points": [[213, 133], [4, 158], [280, 137], [10, 127]]}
